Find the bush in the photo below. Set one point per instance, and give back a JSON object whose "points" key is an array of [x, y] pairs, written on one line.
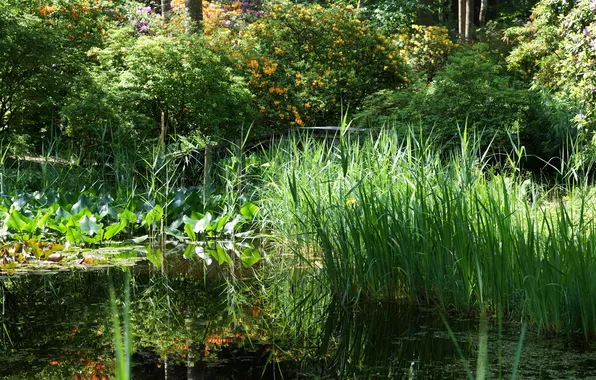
{"points": [[139, 76], [303, 63], [424, 48], [558, 46], [474, 89]]}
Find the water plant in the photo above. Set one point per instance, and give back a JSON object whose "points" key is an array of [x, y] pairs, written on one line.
{"points": [[383, 218]]}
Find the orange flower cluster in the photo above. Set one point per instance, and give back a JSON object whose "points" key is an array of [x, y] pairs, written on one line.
{"points": [[47, 10], [303, 62]]}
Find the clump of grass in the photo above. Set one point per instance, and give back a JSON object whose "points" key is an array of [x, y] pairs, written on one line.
{"points": [[400, 220]]}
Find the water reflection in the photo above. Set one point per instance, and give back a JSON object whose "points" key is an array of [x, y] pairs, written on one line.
{"points": [[198, 321]]}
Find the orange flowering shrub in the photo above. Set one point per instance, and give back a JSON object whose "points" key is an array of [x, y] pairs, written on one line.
{"points": [[304, 62], [82, 19]]}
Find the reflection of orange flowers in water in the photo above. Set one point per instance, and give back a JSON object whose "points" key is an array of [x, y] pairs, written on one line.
{"points": [[216, 340]]}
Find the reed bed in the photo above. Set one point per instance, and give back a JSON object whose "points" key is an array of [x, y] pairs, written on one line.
{"points": [[395, 219]]}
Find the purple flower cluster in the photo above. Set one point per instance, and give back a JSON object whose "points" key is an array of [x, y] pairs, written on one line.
{"points": [[141, 23], [144, 10], [250, 11]]}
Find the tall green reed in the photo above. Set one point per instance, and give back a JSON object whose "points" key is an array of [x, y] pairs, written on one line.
{"points": [[395, 219]]}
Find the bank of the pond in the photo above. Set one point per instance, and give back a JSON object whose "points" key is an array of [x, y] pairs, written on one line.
{"points": [[362, 218]]}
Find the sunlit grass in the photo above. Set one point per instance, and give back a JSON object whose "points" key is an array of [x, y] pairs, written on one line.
{"points": [[398, 220]]}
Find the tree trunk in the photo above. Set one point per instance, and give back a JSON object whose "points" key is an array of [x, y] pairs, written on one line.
{"points": [[166, 8], [482, 17], [462, 18], [469, 20], [194, 13]]}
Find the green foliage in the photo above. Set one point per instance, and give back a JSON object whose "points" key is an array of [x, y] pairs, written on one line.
{"points": [[558, 46], [402, 222], [92, 219], [136, 78], [304, 62], [27, 80], [425, 48], [473, 89]]}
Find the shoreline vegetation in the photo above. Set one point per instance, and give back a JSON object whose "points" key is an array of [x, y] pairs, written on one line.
{"points": [[366, 218]]}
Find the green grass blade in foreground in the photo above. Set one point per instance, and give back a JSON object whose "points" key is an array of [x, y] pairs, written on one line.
{"points": [[459, 351], [122, 344]]}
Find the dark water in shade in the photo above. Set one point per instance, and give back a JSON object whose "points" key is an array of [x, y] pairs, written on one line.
{"points": [[190, 324]]}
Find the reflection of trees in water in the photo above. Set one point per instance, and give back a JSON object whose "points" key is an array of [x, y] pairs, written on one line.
{"points": [[60, 325]]}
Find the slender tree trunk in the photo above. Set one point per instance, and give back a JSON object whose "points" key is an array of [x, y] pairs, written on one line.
{"points": [[166, 7], [469, 20], [482, 17], [194, 13], [462, 18]]}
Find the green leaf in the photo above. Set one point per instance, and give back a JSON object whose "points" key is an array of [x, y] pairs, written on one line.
{"points": [[203, 224], [249, 257], [154, 215], [44, 219], [19, 222], [198, 226], [220, 223], [203, 254], [230, 226], [190, 232], [128, 216], [154, 256], [114, 229], [81, 205], [74, 235], [221, 255], [177, 234], [88, 226], [189, 251], [249, 210], [62, 214]]}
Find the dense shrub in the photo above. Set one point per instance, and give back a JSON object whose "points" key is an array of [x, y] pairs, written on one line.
{"points": [[139, 76], [303, 63], [424, 48], [558, 46], [474, 90]]}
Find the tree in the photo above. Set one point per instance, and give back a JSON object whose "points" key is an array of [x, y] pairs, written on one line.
{"points": [[194, 12], [27, 53], [166, 7]]}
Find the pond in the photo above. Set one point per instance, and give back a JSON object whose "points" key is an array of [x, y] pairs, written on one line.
{"points": [[192, 321]]}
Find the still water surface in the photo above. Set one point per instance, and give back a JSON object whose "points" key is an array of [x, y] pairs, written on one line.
{"points": [[188, 324]]}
